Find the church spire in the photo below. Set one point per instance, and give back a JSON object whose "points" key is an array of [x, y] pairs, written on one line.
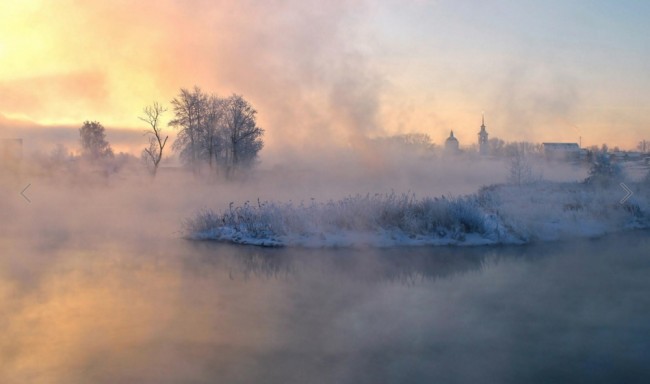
{"points": [[483, 137]]}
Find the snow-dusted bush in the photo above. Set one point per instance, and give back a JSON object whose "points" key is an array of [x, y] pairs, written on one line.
{"points": [[512, 214], [273, 223], [604, 172]]}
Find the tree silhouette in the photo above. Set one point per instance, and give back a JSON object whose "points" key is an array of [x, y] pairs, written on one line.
{"points": [[93, 141], [153, 153]]}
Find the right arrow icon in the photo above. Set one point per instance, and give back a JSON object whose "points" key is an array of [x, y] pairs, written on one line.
{"points": [[627, 194]]}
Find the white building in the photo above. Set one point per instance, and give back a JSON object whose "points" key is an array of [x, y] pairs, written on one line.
{"points": [[562, 151]]}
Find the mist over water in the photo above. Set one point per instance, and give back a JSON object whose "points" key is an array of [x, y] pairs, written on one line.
{"points": [[108, 310], [97, 285], [99, 282]]}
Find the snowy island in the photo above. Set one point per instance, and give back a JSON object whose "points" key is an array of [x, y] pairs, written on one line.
{"points": [[497, 214]]}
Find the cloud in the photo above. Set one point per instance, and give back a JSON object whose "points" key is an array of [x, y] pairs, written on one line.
{"points": [[44, 138], [530, 96], [322, 75], [33, 96], [301, 64]]}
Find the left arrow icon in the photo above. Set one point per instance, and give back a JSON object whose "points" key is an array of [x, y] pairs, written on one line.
{"points": [[22, 193]]}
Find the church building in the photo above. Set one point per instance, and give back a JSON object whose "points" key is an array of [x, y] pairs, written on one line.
{"points": [[451, 144], [483, 138]]}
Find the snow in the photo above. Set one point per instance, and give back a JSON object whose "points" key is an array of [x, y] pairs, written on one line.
{"points": [[498, 214]]}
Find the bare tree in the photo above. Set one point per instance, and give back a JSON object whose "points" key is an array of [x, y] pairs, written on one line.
{"points": [[496, 147], [524, 147], [521, 171], [94, 145], [211, 140], [189, 110], [242, 133], [220, 132], [153, 154]]}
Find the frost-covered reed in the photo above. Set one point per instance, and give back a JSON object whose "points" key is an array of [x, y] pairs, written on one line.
{"points": [[379, 213], [541, 211]]}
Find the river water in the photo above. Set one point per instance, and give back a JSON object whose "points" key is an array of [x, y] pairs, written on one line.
{"points": [[182, 312]]}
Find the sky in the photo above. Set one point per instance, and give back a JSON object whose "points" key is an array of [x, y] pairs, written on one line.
{"points": [[331, 74]]}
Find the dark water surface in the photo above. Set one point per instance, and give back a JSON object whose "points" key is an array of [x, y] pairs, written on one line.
{"points": [[183, 312]]}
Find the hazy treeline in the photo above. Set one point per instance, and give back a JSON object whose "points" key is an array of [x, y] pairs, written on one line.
{"points": [[219, 132], [216, 133], [219, 137]]}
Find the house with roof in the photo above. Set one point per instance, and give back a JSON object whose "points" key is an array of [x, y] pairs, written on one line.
{"points": [[562, 151]]}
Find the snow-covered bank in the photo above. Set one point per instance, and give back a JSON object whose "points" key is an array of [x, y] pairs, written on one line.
{"points": [[499, 214]]}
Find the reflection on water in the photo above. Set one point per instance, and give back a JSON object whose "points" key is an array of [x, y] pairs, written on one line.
{"points": [[205, 313]]}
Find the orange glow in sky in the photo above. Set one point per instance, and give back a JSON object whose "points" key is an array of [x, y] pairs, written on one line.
{"points": [[541, 72]]}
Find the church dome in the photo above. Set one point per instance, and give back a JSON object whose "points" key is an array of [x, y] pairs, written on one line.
{"points": [[451, 144]]}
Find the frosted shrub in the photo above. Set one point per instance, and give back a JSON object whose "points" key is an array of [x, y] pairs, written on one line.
{"points": [[467, 215], [496, 214], [604, 172], [377, 213]]}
